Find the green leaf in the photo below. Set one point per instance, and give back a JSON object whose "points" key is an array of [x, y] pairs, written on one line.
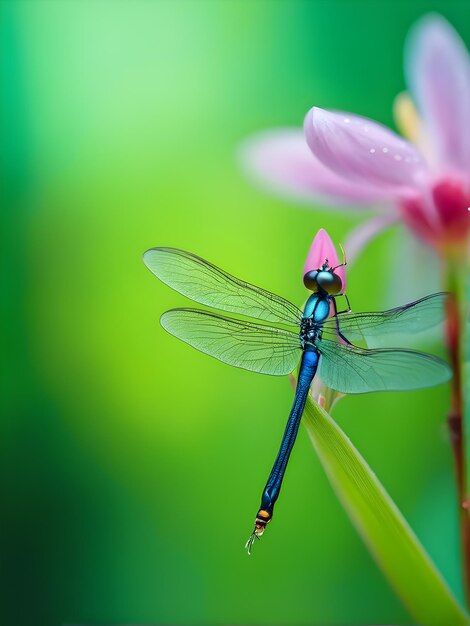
{"points": [[383, 528]]}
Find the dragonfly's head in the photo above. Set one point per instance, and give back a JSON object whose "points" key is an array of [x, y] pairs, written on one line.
{"points": [[323, 279]]}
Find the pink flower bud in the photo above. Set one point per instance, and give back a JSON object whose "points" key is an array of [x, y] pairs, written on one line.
{"points": [[323, 251]]}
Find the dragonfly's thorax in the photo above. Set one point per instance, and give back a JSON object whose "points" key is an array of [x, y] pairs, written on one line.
{"points": [[317, 307], [316, 311], [309, 332]]}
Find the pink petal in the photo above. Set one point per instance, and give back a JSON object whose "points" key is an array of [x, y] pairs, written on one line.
{"points": [[440, 218], [363, 150], [281, 160], [438, 72], [423, 275], [452, 202], [323, 251], [419, 218], [360, 236]]}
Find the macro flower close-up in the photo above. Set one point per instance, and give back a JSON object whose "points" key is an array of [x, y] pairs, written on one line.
{"points": [[236, 308]]}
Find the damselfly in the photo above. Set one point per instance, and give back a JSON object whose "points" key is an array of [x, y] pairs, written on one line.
{"points": [[322, 343]]}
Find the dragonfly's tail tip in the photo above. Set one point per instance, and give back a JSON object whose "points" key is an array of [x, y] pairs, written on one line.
{"points": [[251, 541], [256, 534]]}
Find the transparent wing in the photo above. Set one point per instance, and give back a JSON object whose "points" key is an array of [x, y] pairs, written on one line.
{"points": [[350, 369], [251, 346], [205, 283], [409, 318]]}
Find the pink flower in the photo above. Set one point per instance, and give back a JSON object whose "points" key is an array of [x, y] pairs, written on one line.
{"points": [[323, 251], [355, 161]]}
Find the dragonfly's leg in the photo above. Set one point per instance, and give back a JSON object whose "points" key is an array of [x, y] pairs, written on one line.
{"points": [[348, 310], [344, 263], [338, 330]]}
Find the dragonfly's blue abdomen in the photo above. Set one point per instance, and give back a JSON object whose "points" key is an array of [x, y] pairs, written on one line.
{"points": [[307, 370], [317, 308]]}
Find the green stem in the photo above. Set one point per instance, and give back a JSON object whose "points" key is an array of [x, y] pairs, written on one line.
{"points": [[455, 418]]}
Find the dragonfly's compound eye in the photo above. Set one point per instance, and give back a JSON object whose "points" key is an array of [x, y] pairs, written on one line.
{"points": [[329, 282], [310, 280]]}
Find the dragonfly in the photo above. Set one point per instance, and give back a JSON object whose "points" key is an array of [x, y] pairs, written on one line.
{"points": [[319, 337]]}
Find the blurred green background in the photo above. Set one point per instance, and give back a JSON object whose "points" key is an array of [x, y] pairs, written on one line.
{"points": [[132, 465]]}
